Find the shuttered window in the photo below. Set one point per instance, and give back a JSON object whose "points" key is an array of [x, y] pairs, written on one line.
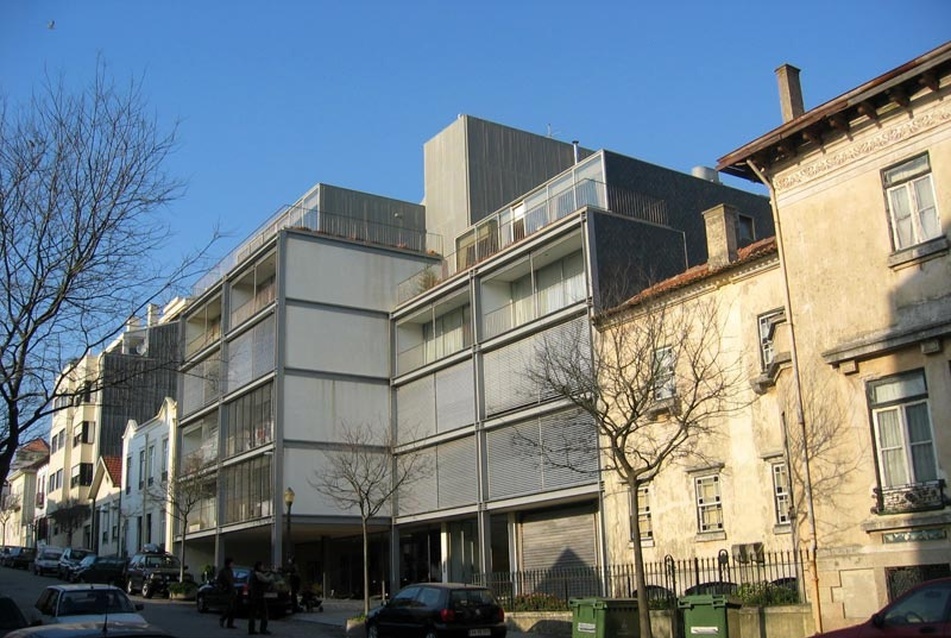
{"points": [[455, 397], [416, 410], [457, 480]]}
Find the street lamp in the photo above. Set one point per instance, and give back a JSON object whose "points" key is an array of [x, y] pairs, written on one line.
{"points": [[289, 502]]}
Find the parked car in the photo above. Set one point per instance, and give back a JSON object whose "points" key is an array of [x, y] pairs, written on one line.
{"points": [[47, 560], [151, 573], [438, 610], [924, 610], [712, 587], [87, 603], [109, 570], [91, 630], [11, 618], [20, 557], [69, 560], [211, 597]]}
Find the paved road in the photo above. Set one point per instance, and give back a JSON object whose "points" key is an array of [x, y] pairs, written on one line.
{"points": [[181, 618]]}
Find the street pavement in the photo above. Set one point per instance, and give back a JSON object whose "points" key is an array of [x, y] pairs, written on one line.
{"points": [[181, 618]]}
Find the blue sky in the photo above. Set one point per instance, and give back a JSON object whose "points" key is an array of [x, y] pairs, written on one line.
{"points": [[273, 97]]}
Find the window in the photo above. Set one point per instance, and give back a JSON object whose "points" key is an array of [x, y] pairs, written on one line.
{"points": [[745, 230], [903, 434], [709, 505], [57, 441], [781, 495], [83, 433], [767, 334], [664, 382], [150, 469], [128, 474], [141, 469], [80, 474], [644, 514], [164, 460], [911, 202]]}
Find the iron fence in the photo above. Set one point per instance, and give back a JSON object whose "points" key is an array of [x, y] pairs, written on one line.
{"points": [[755, 577]]}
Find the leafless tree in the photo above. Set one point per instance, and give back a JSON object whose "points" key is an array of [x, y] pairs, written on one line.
{"points": [[656, 385], [363, 473], [82, 195], [9, 505], [70, 515], [183, 495]]}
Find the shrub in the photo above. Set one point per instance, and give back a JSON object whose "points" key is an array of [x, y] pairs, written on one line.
{"points": [[186, 588], [538, 602], [765, 594]]}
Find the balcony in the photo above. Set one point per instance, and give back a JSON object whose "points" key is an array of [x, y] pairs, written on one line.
{"points": [[203, 340], [916, 497], [263, 298], [433, 350], [326, 223], [521, 311]]}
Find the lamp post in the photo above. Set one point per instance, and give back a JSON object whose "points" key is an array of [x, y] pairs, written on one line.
{"points": [[289, 502]]}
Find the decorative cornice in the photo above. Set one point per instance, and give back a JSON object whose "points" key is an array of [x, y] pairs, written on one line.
{"points": [[856, 151]]}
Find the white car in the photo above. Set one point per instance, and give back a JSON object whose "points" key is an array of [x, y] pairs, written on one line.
{"points": [[87, 603]]}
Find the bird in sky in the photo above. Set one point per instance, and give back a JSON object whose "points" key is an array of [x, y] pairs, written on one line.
{"points": [[51, 25]]}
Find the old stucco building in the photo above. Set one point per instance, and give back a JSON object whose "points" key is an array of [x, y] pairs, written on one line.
{"points": [[862, 203]]}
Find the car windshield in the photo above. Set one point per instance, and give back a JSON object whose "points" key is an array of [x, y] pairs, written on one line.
{"points": [[79, 554], [161, 561], [97, 602], [51, 554], [88, 560]]}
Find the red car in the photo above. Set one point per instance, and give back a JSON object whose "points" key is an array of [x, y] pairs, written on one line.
{"points": [[924, 610]]}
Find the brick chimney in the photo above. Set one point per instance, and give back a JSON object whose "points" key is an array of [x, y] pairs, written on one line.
{"points": [[721, 235], [790, 92]]}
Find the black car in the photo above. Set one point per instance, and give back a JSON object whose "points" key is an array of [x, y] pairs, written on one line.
{"points": [[11, 618], [109, 570], [437, 610], [69, 561], [212, 597], [20, 557], [152, 572]]}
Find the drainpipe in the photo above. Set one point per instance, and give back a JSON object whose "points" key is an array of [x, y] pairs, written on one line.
{"points": [[797, 395]]}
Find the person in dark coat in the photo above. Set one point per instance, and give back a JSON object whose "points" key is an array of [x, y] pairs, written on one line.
{"points": [[226, 583], [258, 583]]}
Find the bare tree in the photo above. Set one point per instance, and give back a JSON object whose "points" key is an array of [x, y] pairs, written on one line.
{"points": [[183, 496], [363, 473], [70, 515], [656, 384], [82, 190], [9, 505]]}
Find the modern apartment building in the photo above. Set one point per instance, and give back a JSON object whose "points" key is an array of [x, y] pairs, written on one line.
{"points": [[129, 379], [862, 197], [467, 329]]}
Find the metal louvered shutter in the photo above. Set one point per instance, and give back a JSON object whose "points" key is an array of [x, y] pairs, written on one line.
{"points": [[456, 473], [419, 495], [416, 409], [571, 438], [559, 538], [513, 460], [455, 397], [507, 385]]}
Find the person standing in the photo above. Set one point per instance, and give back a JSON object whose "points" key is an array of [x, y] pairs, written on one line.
{"points": [[226, 582], [258, 582]]}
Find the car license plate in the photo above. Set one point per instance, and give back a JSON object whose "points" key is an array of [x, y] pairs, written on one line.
{"points": [[270, 594], [480, 632]]}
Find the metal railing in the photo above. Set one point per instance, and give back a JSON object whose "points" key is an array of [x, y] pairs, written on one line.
{"points": [[327, 223], [758, 578], [514, 223]]}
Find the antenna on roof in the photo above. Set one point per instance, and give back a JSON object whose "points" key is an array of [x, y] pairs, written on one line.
{"points": [[552, 133]]}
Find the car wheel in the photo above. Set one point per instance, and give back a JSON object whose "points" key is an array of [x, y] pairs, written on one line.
{"points": [[147, 590], [430, 633], [129, 587], [373, 631], [202, 604]]}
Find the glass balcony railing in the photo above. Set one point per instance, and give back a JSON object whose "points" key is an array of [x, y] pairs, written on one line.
{"points": [[202, 340], [433, 350], [264, 297], [344, 226], [547, 301]]}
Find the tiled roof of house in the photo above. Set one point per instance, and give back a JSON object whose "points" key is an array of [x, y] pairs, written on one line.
{"points": [[114, 468], [745, 255], [36, 445]]}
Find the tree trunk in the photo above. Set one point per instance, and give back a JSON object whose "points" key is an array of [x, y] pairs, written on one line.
{"points": [[181, 553], [643, 608]]}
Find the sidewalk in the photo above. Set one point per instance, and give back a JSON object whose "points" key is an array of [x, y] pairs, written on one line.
{"points": [[337, 611]]}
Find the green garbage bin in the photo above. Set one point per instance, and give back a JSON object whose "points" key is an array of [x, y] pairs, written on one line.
{"points": [[604, 618], [706, 614]]}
